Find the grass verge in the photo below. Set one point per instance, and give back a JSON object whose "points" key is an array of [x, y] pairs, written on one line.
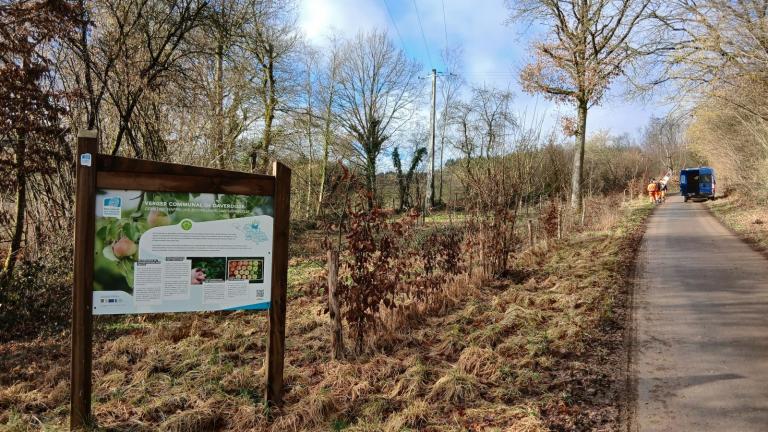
{"points": [[542, 353], [744, 215]]}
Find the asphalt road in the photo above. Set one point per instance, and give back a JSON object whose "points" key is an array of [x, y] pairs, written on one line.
{"points": [[701, 322]]}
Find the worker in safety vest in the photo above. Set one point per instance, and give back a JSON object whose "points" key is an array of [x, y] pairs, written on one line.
{"points": [[653, 191]]}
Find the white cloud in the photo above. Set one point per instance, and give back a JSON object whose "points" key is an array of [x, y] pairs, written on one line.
{"points": [[319, 18], [494, 52]]}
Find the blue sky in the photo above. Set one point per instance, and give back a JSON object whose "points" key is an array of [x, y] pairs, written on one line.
{"points": [[494, 52]]}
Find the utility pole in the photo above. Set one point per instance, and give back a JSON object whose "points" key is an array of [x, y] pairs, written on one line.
{"points": [[429, 202]]}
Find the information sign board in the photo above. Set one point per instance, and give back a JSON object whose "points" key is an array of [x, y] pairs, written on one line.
{"points": [[161, 237], [181, 252]]}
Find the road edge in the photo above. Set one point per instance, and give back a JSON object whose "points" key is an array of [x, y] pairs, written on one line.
{"points": [[635, 241]]}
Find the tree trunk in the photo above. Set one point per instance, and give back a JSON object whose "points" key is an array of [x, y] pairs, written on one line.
{"points": [[323, 170], [337, 340], [93, 110], [311, 144], [218, 132], [309, 181], [125, 128], [442, 148], [270, 102], [21, 208], [578, 158], [370, 180], [402, 192], [266, 140], [530, 233], [327, 136]]}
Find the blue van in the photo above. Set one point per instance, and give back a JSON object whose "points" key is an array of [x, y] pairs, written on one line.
{"points": [[698, 183]]}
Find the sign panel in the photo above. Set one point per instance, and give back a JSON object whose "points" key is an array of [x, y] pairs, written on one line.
{"points": [[181, 252]]}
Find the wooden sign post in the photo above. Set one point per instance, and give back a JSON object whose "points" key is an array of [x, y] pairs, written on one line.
{"points": [[261, 280], [82, 319], [276, 347]]}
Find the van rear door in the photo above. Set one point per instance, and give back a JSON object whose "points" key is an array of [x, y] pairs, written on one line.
{"points": [[683, 183], [706, 183], [691, 187]]}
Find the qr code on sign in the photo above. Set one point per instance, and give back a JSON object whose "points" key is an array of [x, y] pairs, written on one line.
{"points": [[260, 293]]}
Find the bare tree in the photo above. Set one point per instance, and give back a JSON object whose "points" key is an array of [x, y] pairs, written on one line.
{"points": [[665, 138], [309, 60], [225, 67], [138, 46], [590, 43], [715, 40], [327, 91], [377, 88], [405, 178], [466, 129], [273, 38], [449, 94], [31, 133], [493, 117], [719, 62]]}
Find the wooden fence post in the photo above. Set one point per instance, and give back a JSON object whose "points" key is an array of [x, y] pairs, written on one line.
{"points": [[276, 349], [337, 340], [82, 297]]}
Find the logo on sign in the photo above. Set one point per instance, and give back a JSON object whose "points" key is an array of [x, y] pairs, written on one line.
{"points": [[112, 207], [254, 233]]}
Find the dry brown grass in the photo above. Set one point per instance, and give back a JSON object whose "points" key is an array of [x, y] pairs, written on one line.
{"points": [[504, 356], [745, 215], [455, 388], [528, 424], [415, 416], [482, 363]]}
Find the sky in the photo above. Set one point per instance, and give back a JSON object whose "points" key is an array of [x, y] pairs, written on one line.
{"points": [[493, 51]]}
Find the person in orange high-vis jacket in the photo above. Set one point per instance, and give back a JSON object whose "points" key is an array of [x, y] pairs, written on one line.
{"points": [[652, 191]]}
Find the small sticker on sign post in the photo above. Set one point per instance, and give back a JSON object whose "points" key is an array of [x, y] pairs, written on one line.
{"points": [[85, 159]]}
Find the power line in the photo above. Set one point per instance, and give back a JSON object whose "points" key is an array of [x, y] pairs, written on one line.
{"points": [[445, 27], [421, 27], [392, 18], [394, 24]]}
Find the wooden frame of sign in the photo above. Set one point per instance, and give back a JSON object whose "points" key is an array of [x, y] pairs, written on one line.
{"points": [[96, 171]]}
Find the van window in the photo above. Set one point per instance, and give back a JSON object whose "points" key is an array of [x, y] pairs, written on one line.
{"points": [[705, 178]]}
